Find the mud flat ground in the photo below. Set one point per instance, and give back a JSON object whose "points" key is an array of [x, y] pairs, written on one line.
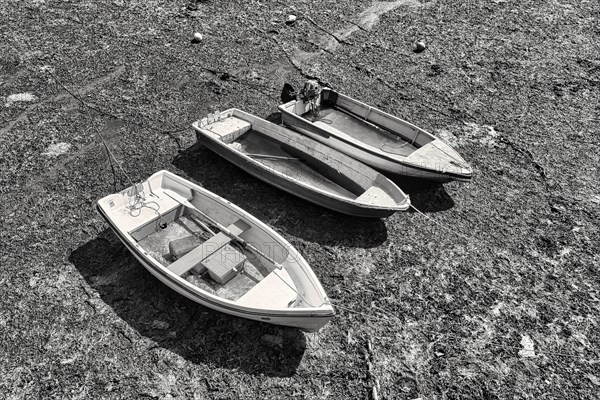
{"points": [[493, 295]]}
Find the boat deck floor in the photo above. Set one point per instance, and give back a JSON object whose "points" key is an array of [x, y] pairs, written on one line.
{"points": [[157, 246], [157, 243], [362, 131], [261, 147]]}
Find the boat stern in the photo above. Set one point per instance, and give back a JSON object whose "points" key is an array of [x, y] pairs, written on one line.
{"points": [[376, 198]]}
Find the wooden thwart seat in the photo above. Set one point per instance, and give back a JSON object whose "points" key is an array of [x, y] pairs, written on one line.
{"points": [[376, 196], [229, 128], [275, 291], [194, 258]]}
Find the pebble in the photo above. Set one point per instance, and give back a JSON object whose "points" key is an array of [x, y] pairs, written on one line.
{"points": [[527, 351], [291, 19], [419, 46], [197, 37]]}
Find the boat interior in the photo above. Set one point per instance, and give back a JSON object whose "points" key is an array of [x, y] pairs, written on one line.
{"points": [[344, 117], [300, 162], [182, 240]]}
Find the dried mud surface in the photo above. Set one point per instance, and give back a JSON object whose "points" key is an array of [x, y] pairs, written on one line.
{"points": [[493, 294]]}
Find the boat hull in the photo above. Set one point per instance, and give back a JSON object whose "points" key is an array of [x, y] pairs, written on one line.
{"points": [[424, 164], [306, 318], [288, 186], [291, 181], [387, 166]]}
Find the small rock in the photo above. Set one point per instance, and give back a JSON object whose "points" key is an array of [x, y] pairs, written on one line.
{"points": [[527, 350], [419, 46], [291, 19], [197, 37]]}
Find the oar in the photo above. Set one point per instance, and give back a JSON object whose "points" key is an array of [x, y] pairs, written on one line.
{"points": [[202, 224], [182, 200], [270, 156]]}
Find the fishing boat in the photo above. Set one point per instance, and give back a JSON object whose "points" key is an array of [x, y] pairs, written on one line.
{"points": [[300, 165], [370, 135], [215, 253]]}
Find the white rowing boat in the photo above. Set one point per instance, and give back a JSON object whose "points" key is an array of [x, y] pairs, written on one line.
{"points": [[300, 165], [215, 253], [372, 136]]}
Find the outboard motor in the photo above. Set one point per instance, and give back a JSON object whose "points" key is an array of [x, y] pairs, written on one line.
{"points": [[311, 90], [288, 93]]}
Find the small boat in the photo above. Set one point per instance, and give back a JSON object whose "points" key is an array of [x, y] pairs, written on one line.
{"points": [[370, 135], [300, 165], [215, 253]]}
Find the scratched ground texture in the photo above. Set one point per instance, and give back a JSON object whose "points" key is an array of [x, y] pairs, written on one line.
{"points": [[493, 293]]}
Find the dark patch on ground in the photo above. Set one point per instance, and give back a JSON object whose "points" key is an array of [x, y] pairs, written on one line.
{"points": [[198, 334]]}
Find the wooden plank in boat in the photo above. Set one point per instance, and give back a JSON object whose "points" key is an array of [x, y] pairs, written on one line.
{"points": [[194, 258], [437, 155], [229, 128], [275, 291], [377, 197]]}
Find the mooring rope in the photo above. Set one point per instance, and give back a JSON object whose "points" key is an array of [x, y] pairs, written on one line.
{"points": [[467, 238], [139, 199]]}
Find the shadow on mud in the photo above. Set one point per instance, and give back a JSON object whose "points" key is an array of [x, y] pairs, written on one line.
{"points": [[284, 212], [197, 333], [424, 195]]}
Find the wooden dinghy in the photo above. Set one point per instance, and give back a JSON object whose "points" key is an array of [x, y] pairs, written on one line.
{"points": [[300, 165], [215, 253], [372, 136]]}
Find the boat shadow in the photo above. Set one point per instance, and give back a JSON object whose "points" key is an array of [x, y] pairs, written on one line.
{"points": [[424, 195], [198, 334], [284, 212]]}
